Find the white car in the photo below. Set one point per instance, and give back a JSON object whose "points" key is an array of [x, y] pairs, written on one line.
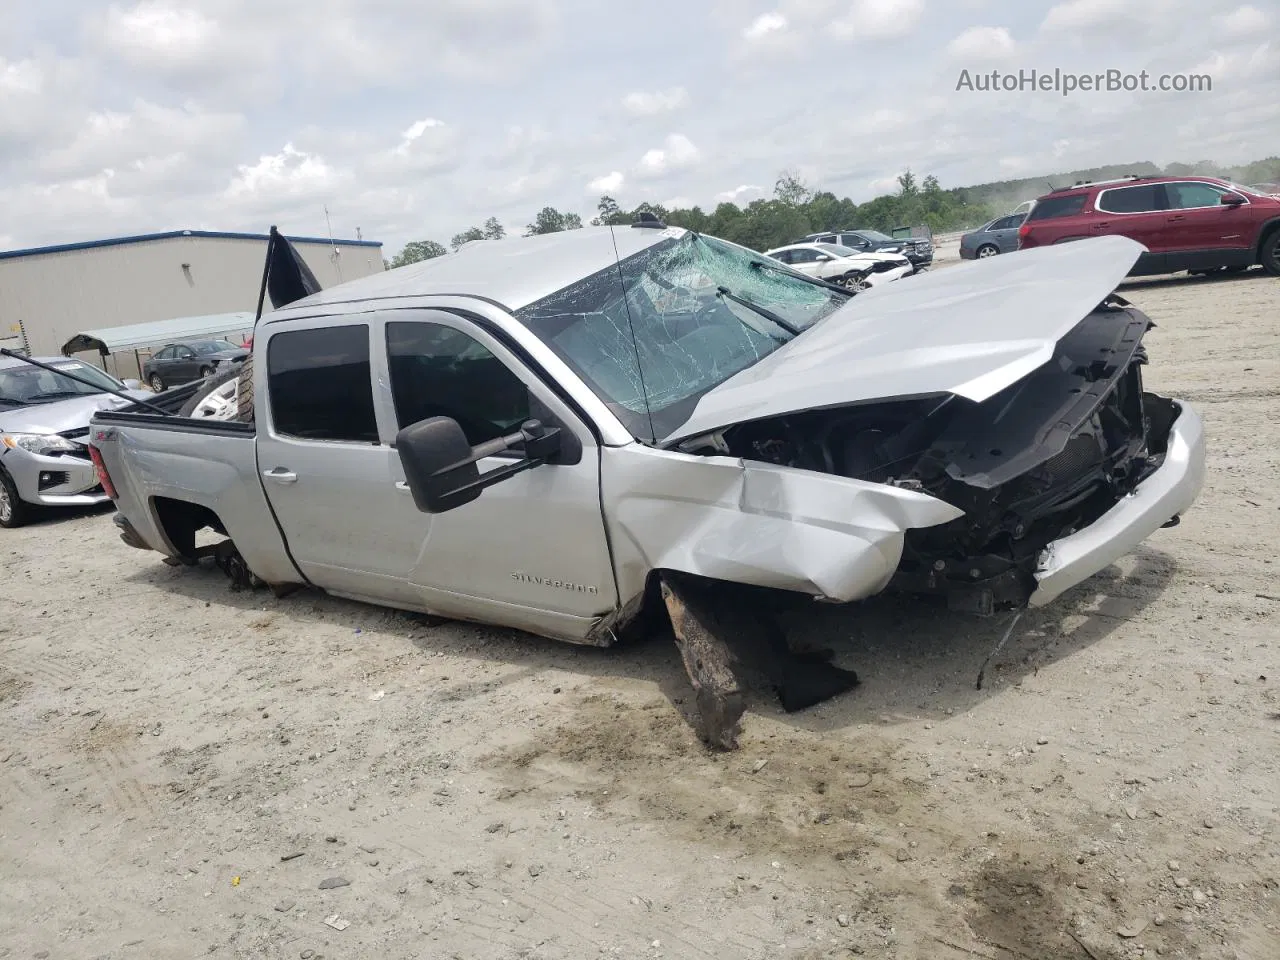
{"points": [[848, 268]]}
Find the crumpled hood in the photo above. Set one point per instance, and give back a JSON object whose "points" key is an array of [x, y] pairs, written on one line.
{"points": [[61, 415], [970, 330]]}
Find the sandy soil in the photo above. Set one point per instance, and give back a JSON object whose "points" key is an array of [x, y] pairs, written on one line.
{"points": [[182, 767]]}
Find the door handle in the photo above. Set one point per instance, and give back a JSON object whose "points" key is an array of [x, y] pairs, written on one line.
{"points": [[1102, 226], [280, 475], [1177, 218]]}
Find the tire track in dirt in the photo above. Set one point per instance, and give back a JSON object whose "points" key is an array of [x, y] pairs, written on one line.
{"points": [[834, 817], [108, 752]]}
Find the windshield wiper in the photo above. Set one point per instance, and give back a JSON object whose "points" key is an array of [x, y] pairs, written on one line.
{"points": [[52, 394], [762, 265], [15, 401], [765, 312]]}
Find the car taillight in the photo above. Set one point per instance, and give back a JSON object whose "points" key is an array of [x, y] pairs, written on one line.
{"points": [[1024, 231], [100, 469]]}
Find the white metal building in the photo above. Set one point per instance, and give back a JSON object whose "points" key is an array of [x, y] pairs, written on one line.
{"points": [[49, 294]]}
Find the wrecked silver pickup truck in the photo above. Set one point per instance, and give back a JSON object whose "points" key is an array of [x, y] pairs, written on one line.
{"points": [[566, 434]]}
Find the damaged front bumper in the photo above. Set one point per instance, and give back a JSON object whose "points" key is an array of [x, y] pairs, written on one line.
{"points": [[1161, 497]]}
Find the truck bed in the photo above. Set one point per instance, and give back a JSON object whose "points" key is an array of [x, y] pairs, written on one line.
{"points": [[175, 476]]}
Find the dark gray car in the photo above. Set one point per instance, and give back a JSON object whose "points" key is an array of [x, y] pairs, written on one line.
{"points": [[998, 236], [190, 360], [44, 434]]}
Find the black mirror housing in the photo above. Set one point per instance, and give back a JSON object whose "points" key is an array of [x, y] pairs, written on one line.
{"points": [[440, 465]]}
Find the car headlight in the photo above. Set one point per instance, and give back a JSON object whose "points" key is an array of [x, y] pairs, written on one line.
{"points": [[41, 444]]}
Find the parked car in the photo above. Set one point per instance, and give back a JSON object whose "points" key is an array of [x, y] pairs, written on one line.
{"points": [[918, 250], [44, 431], [565, 432], [998, 236], [837, 264], [1198, 224], [187, 361]]}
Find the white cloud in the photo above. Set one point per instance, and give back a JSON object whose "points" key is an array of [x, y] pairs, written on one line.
{"points": [[677, 153], [645, 104], [1085, 16], [610, 183], [983, 43], [765, 24], [153, 29], [739, 193], [1244, 21], [880, 19], [20, 76], [290, 173]]}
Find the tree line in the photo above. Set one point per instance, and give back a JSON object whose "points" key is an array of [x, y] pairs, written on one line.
{"points": [[796, 209]]}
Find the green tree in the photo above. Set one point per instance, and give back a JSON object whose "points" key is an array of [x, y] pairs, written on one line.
{"points": [[790, 189], [416, 251], [466, 236], [609, 213], [551, 220], [492, 229]]}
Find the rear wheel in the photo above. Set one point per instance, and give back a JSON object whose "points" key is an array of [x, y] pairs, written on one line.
{"points": [[244, 392], [13, 511], [215, 399], [1270, 253], [987, 250]]}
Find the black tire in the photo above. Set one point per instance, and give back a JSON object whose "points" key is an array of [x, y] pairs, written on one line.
{"points": [[157, 384], [13, 511], [211, 384], [991, 251], [244, 393], [1269, 255], [206, 373]]}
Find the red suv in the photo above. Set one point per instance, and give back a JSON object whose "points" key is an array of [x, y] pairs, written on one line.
{"points": [[1198, 224]]}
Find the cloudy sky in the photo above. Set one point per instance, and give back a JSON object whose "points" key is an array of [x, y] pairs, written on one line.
{"points": [[413, 121]]}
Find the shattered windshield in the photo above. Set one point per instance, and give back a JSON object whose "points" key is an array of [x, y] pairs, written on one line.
{"points": [[666, 325]]}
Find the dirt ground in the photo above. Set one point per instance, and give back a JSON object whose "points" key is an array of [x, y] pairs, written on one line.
{"points": [[182, 767]]}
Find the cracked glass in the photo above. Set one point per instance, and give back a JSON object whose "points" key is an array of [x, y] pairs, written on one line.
{"points": [[653, 334]]}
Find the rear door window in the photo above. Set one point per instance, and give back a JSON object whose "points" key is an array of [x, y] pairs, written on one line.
{"points": [[804, 256], [319, 385], [1051, 208], [1141, 199]]}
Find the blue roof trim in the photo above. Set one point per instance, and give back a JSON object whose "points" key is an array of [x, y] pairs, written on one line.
{"points": [[172, 234]]}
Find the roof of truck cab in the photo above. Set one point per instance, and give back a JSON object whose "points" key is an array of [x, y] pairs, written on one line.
{"points": [[514, 271]]}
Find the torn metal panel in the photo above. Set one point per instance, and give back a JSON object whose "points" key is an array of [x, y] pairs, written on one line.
{"points": [[753, 523]]}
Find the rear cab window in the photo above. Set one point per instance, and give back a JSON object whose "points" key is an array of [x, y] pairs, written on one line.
{"points": [[1051, 208], [319, 384]]}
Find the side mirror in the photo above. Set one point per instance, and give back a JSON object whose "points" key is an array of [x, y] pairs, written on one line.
{"points": [[440, 464], [1231, 200], [823, 258], [132, 384]]}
